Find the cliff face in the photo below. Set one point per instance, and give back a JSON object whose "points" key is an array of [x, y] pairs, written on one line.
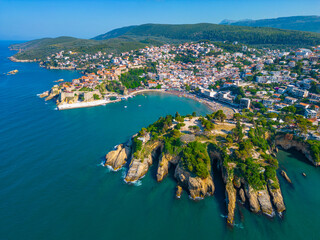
{"points": [[265, 203], [236, 176], [231, 197], [230, 191], [287, 141], [165, 160], [118, 157], [139, 166], [252, 197], [197, 187], [277, 198]]}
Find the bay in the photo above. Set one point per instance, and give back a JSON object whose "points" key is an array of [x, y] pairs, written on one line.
{"points": [[52, 185]]}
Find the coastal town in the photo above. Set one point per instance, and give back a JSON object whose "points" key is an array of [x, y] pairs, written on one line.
{"points": [[233, 76]]}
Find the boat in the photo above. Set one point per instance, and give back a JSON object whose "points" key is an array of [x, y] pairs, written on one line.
{"points": [[139, 106], [125, 106]]}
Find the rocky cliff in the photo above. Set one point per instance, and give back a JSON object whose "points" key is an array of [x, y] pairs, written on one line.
{"points": [[118, 157], [196, 186], [165, 160], [139, 166], [288, 141], [249, 175], [276, 197]]}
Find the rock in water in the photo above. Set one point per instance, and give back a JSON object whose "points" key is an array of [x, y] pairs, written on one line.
{"points": [[265, 203], [118, 157], [231, 195], [242, 196], [112, 156], [163, 166], [165, 160], [284, 174], [197, 187], [178, 192], [137, 169], [277, 199], [252, 198], [122, 158]]}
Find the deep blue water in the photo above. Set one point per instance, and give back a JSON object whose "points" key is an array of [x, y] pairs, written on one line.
{"points": [[52, 185]]}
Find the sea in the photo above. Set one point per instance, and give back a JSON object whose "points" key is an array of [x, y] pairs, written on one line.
{"points": [[53, 186]]}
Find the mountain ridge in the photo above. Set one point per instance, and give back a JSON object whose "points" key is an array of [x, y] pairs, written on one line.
{"points": [[309, 23], [137, 36]]}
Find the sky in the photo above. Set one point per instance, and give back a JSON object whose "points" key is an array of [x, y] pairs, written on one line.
{"points": [[32, 19]]}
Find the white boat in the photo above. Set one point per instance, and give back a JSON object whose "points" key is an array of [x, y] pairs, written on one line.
{"points": [[125, 106]]}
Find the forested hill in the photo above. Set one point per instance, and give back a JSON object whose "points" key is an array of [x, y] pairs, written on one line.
{"points": [[301, 23], [41, 48], [216, 32], [135, 37]]}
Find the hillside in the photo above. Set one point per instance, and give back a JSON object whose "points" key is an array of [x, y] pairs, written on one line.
{"points": [[300, 23], [114, 33], [41, 48], [215, 32], [134, 37]]}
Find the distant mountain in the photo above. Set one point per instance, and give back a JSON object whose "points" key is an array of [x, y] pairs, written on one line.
{"points": [[41, 48], [300, 23], [216, 32], [229, 22], [114, 33], [134, 37]]}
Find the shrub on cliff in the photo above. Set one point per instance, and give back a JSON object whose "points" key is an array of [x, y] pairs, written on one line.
{"points": [[270, 173], [195, 159], [252, 173], [161, 125], [136, 146], [314, 149]]}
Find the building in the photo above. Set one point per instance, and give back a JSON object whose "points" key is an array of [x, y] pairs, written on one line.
{"points": [[290, 100], [267, 102], [225, 96], [65, 95], [292, 64], [208, 93], [152, 84], [245, 103], [300, 93], [310, 113]]}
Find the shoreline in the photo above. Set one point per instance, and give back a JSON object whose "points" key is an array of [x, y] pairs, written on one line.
{"points": [[13, 59], [67, 106], [213, 106]]}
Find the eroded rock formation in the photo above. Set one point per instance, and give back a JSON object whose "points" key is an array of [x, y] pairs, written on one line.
{"points": [[196, 186]]}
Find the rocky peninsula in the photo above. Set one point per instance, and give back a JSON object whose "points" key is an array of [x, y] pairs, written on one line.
{"points": [[195, 146]]}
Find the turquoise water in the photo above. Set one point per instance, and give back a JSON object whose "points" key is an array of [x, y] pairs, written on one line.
{"points": [[52, 185]]}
